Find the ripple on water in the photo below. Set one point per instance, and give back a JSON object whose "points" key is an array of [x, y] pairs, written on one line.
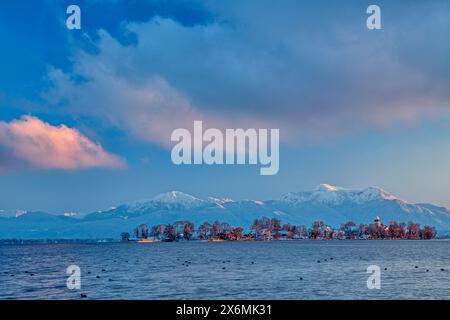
{"points": [[235, 270]]}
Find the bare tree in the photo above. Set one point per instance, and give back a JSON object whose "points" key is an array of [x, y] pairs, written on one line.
{"points": [[144, 231], [238, 233], [393, 230], [188, 230], [363, 230], [215, 230], [125, 236], [204, 231], [136, 233], [316, 229], [428, 233], [170, 232], [275, 225], [413, 232]]}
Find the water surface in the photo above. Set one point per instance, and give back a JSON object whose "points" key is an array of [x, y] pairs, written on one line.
{"points": [[228, 270]]}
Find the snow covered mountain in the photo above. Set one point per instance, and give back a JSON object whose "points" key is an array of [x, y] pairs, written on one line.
{"points": [[331, 195], [334, 205]]}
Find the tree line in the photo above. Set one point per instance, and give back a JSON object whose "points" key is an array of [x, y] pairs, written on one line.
{"points": [[273, 229]]}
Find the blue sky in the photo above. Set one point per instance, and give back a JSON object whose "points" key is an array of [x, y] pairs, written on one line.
{"points": [[355, 107]]}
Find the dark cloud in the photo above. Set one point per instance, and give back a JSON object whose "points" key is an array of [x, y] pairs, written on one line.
{"points": [[311, 69]]}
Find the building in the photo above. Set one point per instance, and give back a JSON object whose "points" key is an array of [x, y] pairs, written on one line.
{"points": [[377, 221]]}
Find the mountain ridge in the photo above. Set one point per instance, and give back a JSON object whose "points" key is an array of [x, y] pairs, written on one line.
{"points": [[331, 204]]}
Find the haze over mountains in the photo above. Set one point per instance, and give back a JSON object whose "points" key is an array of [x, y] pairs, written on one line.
{"points": [[333, 205]]}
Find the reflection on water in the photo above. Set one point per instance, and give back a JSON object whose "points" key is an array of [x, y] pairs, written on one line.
{"points": [[228, 270]]}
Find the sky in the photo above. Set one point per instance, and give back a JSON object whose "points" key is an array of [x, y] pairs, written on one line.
{"points": [[86, 115]]}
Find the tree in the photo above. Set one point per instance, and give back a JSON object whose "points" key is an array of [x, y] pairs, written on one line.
{"points": [[257, 226], [180, 228], [188, 230], [125, 236], [401, 230], [136, 232], [316, 229], [301, 231], [260, 225], [274, 225], [349, 230], [237, 233], [413, 232], [160, 230], [393, 230], [143, 231], [363, 230], [277, 235], [215, 230], [267, 234], [204, 231], [428, 233], [170, 232], [225, 229], [376, 231], [157, 231], [328, 233]]}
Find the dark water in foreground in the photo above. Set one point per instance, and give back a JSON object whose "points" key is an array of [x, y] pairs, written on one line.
{"points": [[228, 270]]}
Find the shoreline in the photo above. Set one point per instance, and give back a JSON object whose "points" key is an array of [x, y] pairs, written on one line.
{"points": [[109, 241]]}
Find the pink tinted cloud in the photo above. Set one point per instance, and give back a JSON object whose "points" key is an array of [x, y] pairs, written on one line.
{"points": [[53, 147]]}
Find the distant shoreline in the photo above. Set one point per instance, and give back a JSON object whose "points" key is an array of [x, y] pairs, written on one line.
{"points": [[100, 241]]}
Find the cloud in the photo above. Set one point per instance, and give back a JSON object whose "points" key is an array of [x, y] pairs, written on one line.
{"points": [[147, 106], [42, 145], [297, 66]]}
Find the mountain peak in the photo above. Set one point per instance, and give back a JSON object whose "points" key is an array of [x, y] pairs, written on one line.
{"points": [[329, 194], [327, 187], [175, 196], [167, 199]]}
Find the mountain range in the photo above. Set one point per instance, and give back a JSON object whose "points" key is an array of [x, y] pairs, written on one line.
{"points": [[333, 205]]}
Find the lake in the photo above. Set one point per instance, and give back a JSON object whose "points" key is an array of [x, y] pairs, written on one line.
{"points": [[228, 270]]}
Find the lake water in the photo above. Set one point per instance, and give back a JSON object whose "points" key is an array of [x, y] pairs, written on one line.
{"points": [[228, 270]]}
